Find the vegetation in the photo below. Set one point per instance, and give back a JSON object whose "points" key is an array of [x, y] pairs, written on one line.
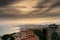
{"points": [[42, 35], [54, 36], [7, 36], [39, 34]]}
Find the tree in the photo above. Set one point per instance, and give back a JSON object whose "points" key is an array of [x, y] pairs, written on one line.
{"points": [[44, 34], [54, 36], [53, 27], [7, 36], [39, 34], [59, 36]]}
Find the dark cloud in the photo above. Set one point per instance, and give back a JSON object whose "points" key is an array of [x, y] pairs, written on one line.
{"points": [[57, 4], [7, 2], [41, 4], [45, 7], [33, 14], [40, 13], [9, 12], [10, 16], [54, 3], [43, 15]]}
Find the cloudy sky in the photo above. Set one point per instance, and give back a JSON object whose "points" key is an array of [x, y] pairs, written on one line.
{"points": [[29, 12]]}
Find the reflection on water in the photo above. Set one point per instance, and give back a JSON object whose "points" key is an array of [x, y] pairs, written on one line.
{"points": [[7, 29]]}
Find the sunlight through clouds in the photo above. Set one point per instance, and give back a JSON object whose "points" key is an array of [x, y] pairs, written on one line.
{"points": [[19, 12], [25, 6]]}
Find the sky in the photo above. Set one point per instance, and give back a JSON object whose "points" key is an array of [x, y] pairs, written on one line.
{"points": [[13, 12]]}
